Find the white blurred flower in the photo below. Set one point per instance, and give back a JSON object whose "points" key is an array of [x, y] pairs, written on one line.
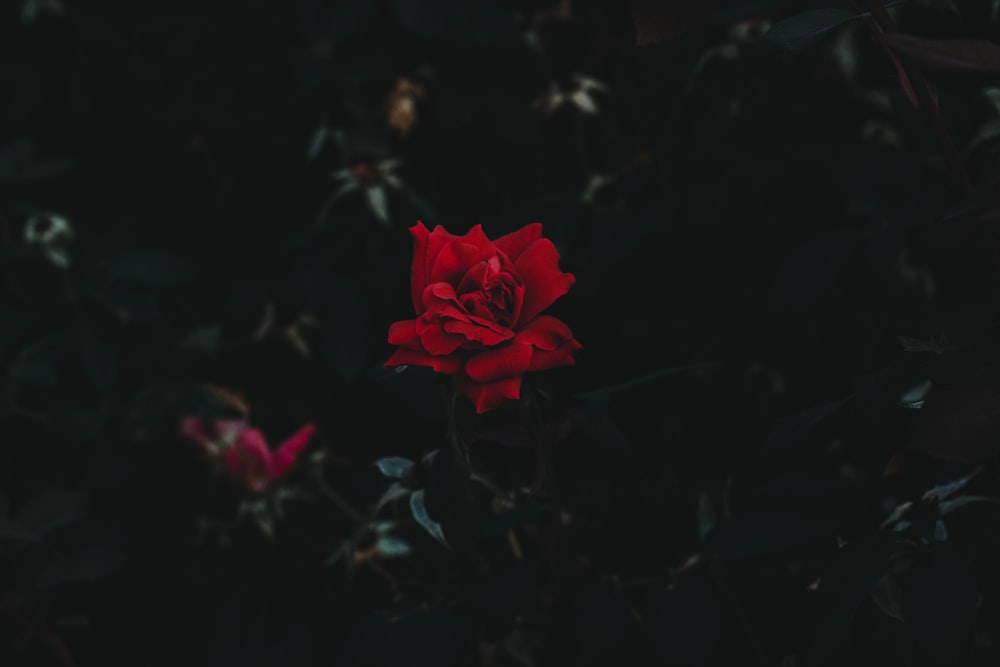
{"points": [[52, 233], [578, 94]]}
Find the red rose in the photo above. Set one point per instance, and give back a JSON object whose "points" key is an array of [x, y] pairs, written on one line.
{"points": [[478, 304]]}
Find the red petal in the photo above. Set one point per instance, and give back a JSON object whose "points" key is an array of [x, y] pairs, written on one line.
{"points": [[515, 243], [538, 266], [404, 333], [250, 460], [477, 237], [498, 363], [543, 360], [454, 260], [438, 340], [479, 331], [449, 365], [545, 332], [492, 395], [288, 451], [418, 270]]}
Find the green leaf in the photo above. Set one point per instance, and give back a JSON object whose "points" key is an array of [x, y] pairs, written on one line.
{"points": [[808, 28], [149, 268], [424, 519], [394, 466]]}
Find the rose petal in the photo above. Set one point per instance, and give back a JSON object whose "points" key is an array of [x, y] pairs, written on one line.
{"points": [[437, 340], [250, 460], [477, 237], [491, 395], [543, 360], [454, 260], [289, 451], [426, 247], [500, 362], [481, 331], [538, 266], [404, 333], [515, 243], [449, 365], [545, 333]]}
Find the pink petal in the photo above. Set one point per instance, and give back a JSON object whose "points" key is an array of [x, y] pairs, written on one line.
{"points": [[515, 243], [498, 363], [538, 266], [250, 460], [288, 452]]}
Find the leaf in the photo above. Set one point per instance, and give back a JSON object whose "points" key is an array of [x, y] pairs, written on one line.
{"points": [[424, 519], [939, 602], [390, 546], [100, 362], [752, 535], [808, 28], [392, 493], [149, 268], [968, 55], [378, 202], [787, 431], [394, 467], [202, 339], [684, 622], [85, 565], [806, 274], [52, 508]]}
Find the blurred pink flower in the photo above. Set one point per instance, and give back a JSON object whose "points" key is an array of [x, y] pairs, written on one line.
{"points": [[244, 451]]}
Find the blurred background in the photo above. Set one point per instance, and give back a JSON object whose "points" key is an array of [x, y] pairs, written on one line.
{"points": [[781, 216]]}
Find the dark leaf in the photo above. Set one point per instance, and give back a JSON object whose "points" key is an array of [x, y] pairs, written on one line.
{"points": [[752, 535], [969, 55], [149, 268], [787, 431], [84, 565], [808, 28], [100, 362], [684, 621], [939, 603], [424, 519], [811, 269]]}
